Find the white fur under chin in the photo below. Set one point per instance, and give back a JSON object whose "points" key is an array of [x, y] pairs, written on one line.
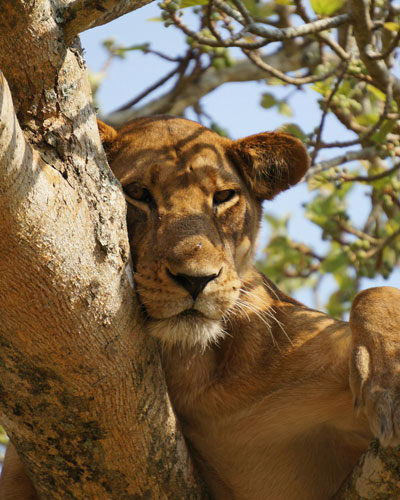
{"points": [[188, 331]]}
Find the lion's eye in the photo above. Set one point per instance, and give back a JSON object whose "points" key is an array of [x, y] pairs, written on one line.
{"points": [[223, 196], [138, 193]]}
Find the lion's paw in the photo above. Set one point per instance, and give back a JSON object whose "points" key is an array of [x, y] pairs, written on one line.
{"points": [[375, 360], [383, 412]]}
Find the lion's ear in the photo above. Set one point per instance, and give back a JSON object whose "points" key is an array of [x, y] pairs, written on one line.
{"points": [[108, 136], [270, 162]]}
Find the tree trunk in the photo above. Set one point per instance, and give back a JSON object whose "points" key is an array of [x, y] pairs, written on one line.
{"points": [[82, 394], [376, 476]]}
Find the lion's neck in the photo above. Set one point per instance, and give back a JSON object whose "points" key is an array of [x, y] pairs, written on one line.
{"points": [[216, 379]]}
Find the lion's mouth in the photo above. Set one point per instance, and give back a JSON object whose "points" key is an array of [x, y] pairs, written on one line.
{"points": [[188, 328], [191, 314]]}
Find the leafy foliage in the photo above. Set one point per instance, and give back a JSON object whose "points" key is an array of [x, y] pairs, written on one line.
{"points": [[326, 7]]}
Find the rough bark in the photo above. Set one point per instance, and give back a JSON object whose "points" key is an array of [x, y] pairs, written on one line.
{"points": [[376, 476], [79, 15], [82, 394]]}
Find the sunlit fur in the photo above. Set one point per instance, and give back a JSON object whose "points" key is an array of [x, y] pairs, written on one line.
{"points": [[186, 331]]}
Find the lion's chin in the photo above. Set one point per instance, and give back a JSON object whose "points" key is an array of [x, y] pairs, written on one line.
{"points": [[189, 329]]}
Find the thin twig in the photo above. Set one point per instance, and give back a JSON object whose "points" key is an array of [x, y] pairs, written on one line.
{"points": [[325, 112], [185, 81], [388, 241], [162, 55], [305, 250], [324, 37], [289, 79], [148, 91], [344, 226], [366, 178], [388, 51], [280, 34], [268, 34], [233, 41], [362, 154], [386, 109], [363, 137], [242, 9], [209, 22]]}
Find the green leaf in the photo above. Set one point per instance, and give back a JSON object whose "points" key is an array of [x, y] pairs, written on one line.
{"points": [[285, 109], [192, 3], [326, 7], [219, 130], [142, 46], [277, 224], [109, 43], [3, 437], [379, 137], [265, 9], [268, 101], [274, 81], [339, 303], [320, 180], [334, 262], [321, 208], [345, 281], [219, 63], [390, 257], [323, 87], [259, 8], [295, 130], [367, 119], [392, 26], [155, 19], [376, 92]]}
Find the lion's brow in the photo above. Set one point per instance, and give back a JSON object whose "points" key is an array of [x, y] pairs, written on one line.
{"points": [[227, 176]]}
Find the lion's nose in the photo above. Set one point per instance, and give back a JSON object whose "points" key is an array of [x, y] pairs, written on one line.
{"points": [[193, 284]]}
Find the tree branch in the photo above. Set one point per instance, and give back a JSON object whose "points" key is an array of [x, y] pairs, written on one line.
{"points": [[367, 178], [375, 476], [276, 34], [81, 15], [324, 37], [279, 34], [257, 60], [376, 68], [286, 59], [362, 154]]}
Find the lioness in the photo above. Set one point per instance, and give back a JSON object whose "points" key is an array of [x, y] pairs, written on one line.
{"points": [[264, 387]]}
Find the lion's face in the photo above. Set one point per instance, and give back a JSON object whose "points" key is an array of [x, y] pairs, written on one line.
{"points": [[193, 217]]}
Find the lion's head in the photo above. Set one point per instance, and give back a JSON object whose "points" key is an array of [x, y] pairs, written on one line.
{"points": [[194, 208]]}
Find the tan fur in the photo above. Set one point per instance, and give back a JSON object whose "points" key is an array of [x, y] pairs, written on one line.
{"points": [[260, 383]]}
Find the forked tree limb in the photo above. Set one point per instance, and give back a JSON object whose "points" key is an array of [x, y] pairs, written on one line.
{"points": [[80, 15], [82, 394]]}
